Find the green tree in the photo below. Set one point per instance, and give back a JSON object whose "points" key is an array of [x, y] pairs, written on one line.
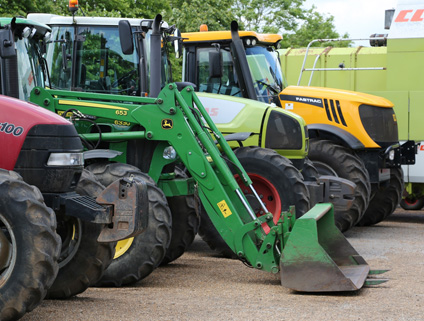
{"points": [[22, 8], [125, 8], [269, 16], [189, 15], [103, 8], [287, 17]]}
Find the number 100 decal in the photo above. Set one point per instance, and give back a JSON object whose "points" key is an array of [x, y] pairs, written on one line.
{"points": [[11, 129]]}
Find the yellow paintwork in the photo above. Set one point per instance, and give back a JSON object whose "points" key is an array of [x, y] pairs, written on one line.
{"points": [[267, 39], [86, 104], [122, 246], [350, 102]]}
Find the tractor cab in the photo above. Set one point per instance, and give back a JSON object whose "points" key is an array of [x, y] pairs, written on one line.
{"points": [[210, 63], [18, 79], [85, 54]]}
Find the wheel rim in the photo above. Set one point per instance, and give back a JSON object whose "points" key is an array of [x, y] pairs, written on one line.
{"points": [[411, 202], [324, 169], [122, 246], [268, 194], [8, 250], [70, 231]]}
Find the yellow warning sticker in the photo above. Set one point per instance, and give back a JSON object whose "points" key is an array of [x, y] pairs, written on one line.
{"points": [[225, 210], [394, 117]]}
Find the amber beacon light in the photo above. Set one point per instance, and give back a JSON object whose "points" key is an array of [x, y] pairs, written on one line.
{"points": [[73, 5]]}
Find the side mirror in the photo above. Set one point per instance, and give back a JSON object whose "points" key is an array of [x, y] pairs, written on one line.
{"points": [[126, 37], [215, 64], [7, 44], [178, 45]]}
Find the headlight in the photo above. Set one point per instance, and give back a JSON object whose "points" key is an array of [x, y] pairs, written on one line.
{"points": [[169, 153], [66, 159], [392, 155]]}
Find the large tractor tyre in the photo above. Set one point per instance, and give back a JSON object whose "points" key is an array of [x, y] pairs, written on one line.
{"points": [[137, 257], [277, 182], [82, 260], [29, 247], [185, 225], [185, 222], [412, 203], [332, 159], [385, 200], [309, 172]]}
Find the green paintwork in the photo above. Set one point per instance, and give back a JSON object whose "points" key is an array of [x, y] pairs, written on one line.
{"points": [[254, 118], [326, 253]]}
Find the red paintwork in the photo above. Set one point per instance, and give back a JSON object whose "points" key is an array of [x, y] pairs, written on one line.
{"points": [[24, 115]]}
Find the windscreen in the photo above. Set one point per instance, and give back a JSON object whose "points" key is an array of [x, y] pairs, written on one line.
{"points": [[30, 71], [59, 55], [101, 66], [266, 73]]}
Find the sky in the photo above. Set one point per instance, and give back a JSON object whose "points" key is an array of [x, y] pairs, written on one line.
{"points": [[359, 18]]}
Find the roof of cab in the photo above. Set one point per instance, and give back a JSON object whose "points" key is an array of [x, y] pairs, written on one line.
{"points": [[52, 19], [208, 36]]}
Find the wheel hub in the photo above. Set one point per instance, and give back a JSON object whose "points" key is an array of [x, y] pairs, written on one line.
{"points": [[268, 194], [254, 204], [70, 232]]}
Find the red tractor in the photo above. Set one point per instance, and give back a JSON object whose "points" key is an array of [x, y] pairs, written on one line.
{"points": [[58, 224]]}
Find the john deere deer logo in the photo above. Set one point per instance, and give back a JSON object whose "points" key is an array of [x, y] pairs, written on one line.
{"points": [[167, 123]]}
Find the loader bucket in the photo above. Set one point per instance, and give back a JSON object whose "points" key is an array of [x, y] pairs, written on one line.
{"points": [[318, 258]]}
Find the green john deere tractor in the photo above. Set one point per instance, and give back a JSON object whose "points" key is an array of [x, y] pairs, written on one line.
{"points": [[85, 55]]}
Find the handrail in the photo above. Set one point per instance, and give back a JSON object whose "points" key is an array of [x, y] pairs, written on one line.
{"points": [[331, 40]]}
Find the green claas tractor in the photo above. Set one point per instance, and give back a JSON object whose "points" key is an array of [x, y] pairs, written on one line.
{"points": [[58, 224], [85, 55], [179, 132], [352, 135]]}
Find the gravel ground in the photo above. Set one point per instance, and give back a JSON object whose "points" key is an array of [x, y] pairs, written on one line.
{"points": [[201, 286]]}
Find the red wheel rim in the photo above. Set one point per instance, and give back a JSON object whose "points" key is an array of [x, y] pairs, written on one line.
{"points": [[411, 203], [268, 194]]}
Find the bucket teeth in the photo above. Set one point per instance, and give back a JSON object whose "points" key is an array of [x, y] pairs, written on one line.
{"points": [[375, 272], [369, 282]]}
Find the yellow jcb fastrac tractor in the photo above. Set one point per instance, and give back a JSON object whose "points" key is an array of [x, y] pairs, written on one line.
{"points": [[352, 135]]}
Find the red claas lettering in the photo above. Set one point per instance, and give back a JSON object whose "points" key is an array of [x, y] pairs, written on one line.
{"points": [[406, 15]]}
